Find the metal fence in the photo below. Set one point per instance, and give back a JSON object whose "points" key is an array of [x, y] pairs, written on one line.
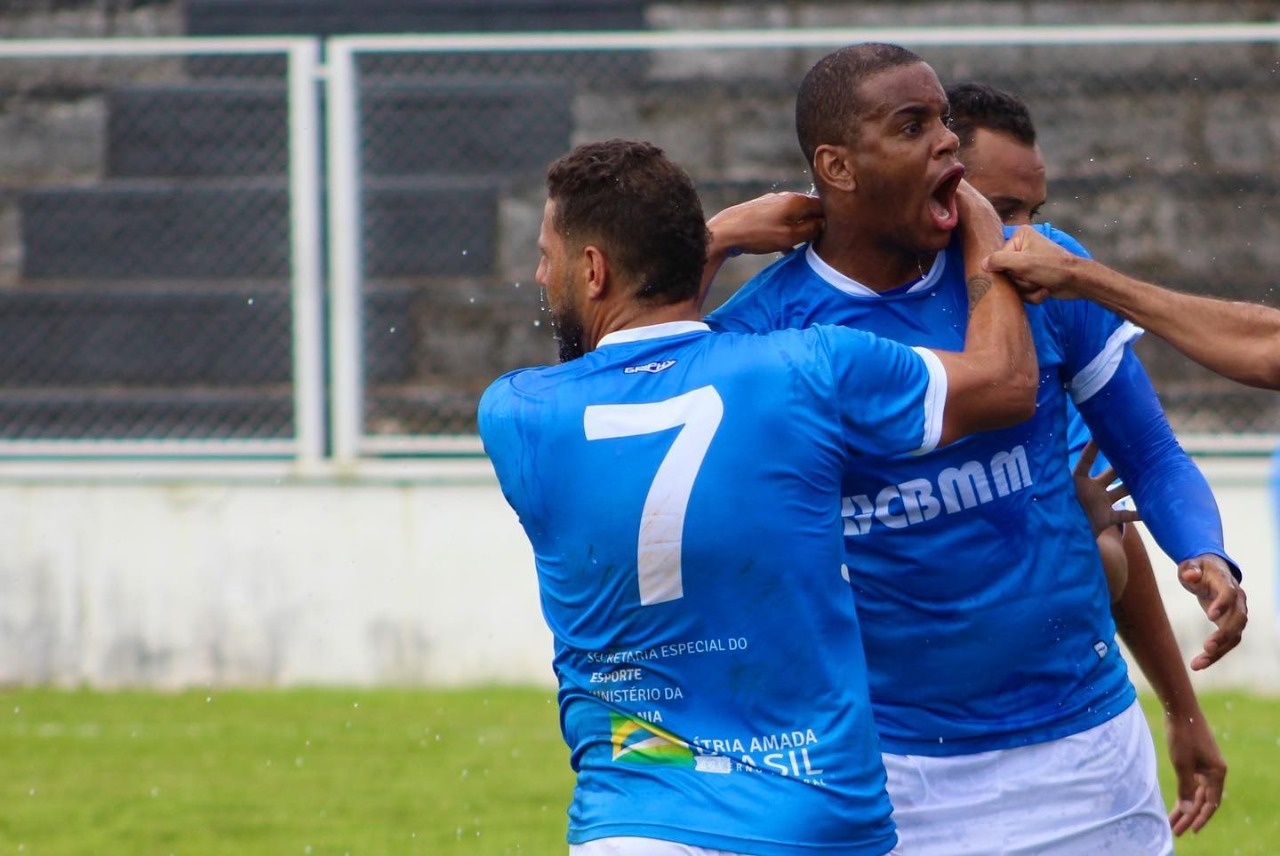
{"points": [[160, 288], [162, 282]]}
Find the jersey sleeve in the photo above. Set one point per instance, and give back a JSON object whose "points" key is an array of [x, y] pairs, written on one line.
{"points": [[890, 397], [497, 416], [1078, 437], [1172, 494]]}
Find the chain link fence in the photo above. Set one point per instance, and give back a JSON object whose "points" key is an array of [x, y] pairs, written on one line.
{"points": [[146, 247], [149, 215], [1163, 159]]}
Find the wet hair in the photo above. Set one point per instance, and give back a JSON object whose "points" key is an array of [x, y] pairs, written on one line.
{"points": [[976, 106], [640, 208], [829, 104]]}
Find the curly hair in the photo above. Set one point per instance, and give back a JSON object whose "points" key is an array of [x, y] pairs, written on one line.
{"points": [[641, 208]]}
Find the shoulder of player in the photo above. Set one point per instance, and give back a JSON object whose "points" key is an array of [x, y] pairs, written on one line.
{"points": [[772, 284], [1061, 238]]}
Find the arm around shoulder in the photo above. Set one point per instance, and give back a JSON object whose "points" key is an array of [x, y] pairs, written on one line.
{"points": [[993, 382]]}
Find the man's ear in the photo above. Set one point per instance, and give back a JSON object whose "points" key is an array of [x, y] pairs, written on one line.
{"points": [[833, 167], [597, 271]]}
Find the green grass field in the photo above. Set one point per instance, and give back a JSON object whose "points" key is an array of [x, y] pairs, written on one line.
{"points": [[365, 772]]}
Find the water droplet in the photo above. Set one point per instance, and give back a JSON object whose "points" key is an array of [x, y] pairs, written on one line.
{"points": [[464, 252], [250, 301], [537, 323]]}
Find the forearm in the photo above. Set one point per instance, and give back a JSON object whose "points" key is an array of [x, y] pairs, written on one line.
{"points": [[716, 257], [998, 331], [1143, 624], [1238, 340]]}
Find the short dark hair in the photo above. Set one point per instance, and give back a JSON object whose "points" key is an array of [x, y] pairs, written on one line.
{"points": [[828, 104], [640, 207], [977, 106]]}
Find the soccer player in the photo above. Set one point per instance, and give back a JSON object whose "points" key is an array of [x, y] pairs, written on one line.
{"points": [[1004, 708], [1004, 164], [1238, 340], [681, 490]]}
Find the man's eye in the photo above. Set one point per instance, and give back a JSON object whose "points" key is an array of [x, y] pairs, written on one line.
{"points": [[911, 129]]}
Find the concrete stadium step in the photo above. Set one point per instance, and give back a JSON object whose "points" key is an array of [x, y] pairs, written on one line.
{"points": [[146, 413], [409, 126], [334, 17], [464, 127], [107, 337], [239, 229], [199, 129], [342, 17]]}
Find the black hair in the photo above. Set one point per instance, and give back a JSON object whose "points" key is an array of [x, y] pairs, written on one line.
{"points": [[640, 207], [976, 105]]}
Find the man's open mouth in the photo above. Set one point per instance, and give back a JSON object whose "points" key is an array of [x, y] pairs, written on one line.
{"points": [[942, 202]]}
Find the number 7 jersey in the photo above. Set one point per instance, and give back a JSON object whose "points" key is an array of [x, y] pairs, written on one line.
{"points": [[681, 491]]}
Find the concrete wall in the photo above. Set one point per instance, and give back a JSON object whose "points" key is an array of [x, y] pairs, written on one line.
{"points": [[417, 575]]}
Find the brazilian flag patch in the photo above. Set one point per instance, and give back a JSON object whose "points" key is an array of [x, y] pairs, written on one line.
{"points": [[638, 742]]}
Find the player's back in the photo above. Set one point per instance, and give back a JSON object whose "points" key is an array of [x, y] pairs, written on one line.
{"points": [[682, 495]]}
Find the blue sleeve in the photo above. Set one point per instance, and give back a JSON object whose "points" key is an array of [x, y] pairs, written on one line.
{"points": [[1126, 419], [1078, 437], [890, 397]]}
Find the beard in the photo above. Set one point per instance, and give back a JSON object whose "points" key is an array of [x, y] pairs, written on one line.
{"points": [[568, 332]]}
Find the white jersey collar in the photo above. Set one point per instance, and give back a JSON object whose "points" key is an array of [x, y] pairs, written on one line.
{"points": [[852, 287], [653, 331]]}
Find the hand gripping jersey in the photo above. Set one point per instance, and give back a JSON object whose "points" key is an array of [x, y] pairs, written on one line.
{"points": [[681, 491], [984, 608]]}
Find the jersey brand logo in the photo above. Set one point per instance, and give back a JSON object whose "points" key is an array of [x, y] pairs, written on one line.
{"points": [[650, 368], [957, 489]]}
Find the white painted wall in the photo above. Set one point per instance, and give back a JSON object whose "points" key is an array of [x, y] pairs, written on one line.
{"points": [[414, 573]]}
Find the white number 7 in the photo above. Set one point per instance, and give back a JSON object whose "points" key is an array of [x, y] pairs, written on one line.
{"points": [[662, 521]]}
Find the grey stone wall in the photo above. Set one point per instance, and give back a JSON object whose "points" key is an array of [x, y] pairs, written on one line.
{"points": [[1162, 160]]}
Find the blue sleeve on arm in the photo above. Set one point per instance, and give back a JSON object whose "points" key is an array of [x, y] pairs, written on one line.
{"points": [[1172, 494]]}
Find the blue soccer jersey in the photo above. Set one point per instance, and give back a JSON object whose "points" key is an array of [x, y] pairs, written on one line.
{"points": [[681, 491], [984, 607]]}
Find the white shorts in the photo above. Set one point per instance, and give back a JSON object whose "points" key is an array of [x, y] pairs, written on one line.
{"points": [[630, 846], [1095, 792], [626, 846]]}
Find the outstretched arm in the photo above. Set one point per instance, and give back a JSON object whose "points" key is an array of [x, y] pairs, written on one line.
{"points": [[1144, 625], [993, 382], [773, 223], [1238, 340], [1176, 503]]}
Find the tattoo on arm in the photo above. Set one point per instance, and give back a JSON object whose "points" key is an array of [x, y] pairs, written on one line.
{"points": [[979, 284]]}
